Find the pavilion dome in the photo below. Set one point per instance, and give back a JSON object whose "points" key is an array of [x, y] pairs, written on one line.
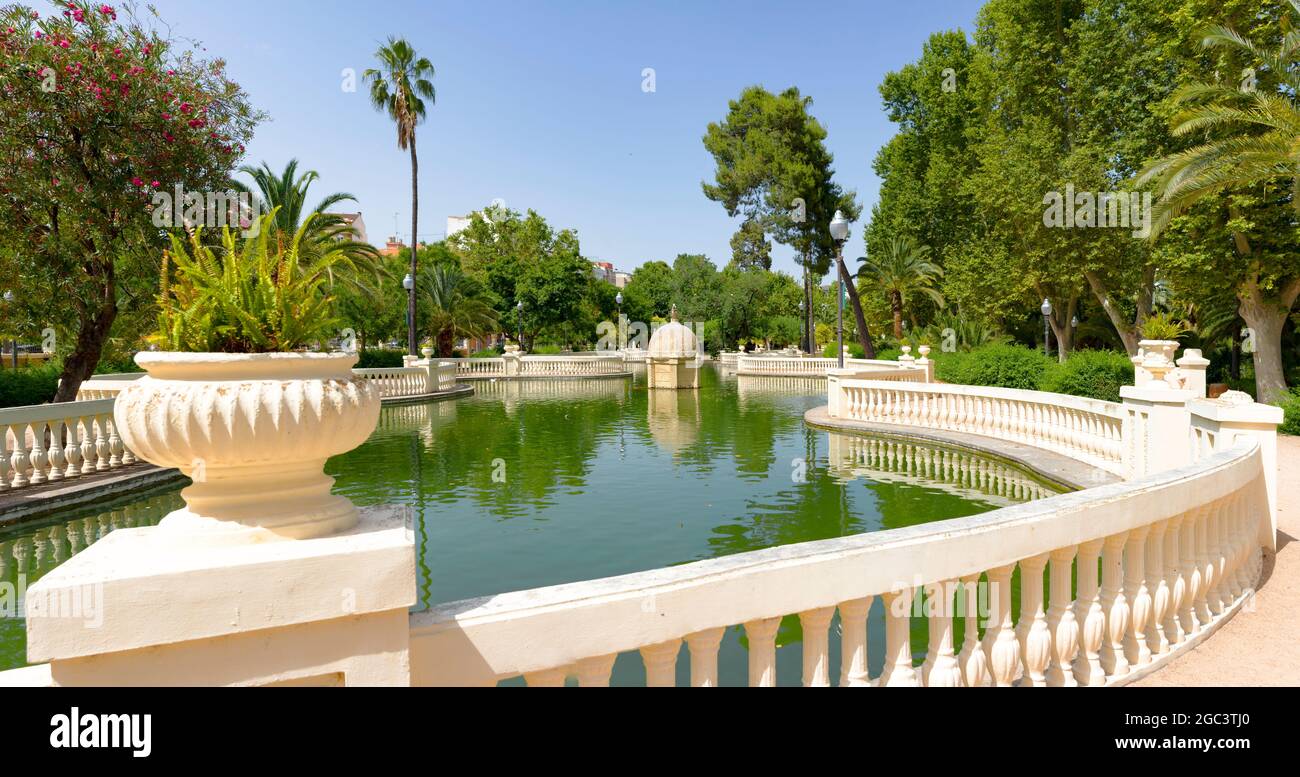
{"points": [[673, 340]]}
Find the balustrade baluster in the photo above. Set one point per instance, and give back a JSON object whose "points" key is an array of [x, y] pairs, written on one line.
{"points": [[1175, 569], [55, 453], [1034, 634], [944, 670], [1214, 594], [102, 452], [703, 648], [1193, 567], [816, 648], [547, 678], [1115, 604], [761, 635], [661, 663], [974, 663], [1156, 572], [898, 639], [853, 643], [1061, 624], [36, 454], [1136, 649], [4, 457], [1000, 637], [71, 448], [1090, 615]]}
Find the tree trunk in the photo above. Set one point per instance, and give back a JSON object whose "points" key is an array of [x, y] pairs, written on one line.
{"points": [[445, 342], [1127, 333], [864, 336], [1265, 317], [92, 333], [415, 247], [896, 306]]}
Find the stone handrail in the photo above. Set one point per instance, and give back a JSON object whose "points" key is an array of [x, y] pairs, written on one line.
{"points": [[1178, 553], [1089, 430], [48, 443], [105, 386]]}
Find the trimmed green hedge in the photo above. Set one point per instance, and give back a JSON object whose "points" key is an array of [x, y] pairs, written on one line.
{"points": [[1096, 374], [377, 358], [29, 385], [1008, 366]]}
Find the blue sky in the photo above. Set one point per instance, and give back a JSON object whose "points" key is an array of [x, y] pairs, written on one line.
{"points": [[540, 104]]}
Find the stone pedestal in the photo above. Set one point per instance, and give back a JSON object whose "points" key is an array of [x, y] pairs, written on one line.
{"points": [[1158, 422], [149, 606], [672, 372], [1191, 371]]}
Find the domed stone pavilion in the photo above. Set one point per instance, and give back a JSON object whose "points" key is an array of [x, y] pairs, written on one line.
{"points": [[673, 357]]}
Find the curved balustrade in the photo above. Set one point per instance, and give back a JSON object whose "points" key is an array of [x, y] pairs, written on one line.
{"points": [[1086, 429], [105, 386], [1160, 562], [49, 443], [399, 381]]}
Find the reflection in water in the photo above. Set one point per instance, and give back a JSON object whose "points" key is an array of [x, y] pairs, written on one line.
{"points": [[28, 552], [540, 482], [886, 460]]}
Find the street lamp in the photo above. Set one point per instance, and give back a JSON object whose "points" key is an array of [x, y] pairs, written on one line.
{"points": [[519, 308], [803, 337], [1046, 310], [839, 233], [408, 283], [618, 299], [13, 344]]}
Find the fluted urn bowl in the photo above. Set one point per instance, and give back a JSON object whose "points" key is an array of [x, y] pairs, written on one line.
{"points": [[253, 432]]}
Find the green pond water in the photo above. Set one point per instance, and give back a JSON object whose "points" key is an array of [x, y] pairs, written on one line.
{"points": [[535, 483]]}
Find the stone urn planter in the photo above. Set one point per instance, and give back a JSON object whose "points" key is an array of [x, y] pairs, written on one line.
{"points": [[253, 432], [426, 352], [1154, 360]]}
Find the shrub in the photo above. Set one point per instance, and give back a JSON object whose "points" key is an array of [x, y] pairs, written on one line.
{"points": [[1096, 374], [1290, 412], [486, 353], [1008, 366], [377, 358], [29, 385], [855, 350], [545, 350]]}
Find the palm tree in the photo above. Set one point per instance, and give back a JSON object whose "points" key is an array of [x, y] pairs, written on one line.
{"points": [[285, 195], [459, 306], [904, 271], [1252, 140], [400, 89], [1257, 130]]}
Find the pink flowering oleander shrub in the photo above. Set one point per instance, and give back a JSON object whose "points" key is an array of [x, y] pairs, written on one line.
{"points": [[100, 116]]}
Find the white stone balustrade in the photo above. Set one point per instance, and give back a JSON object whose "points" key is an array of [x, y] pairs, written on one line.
{"points": [[1057, 639], [1086, 429], [570, 366], [399, 381], [48, 443]]}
